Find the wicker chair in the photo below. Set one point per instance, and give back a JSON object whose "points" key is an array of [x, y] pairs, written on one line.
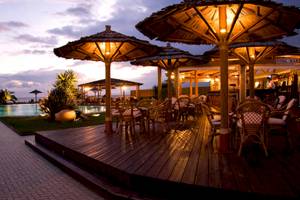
{"points": [[278, 121], [214, 120], [252, 118], [160, 114], [182, 108]]}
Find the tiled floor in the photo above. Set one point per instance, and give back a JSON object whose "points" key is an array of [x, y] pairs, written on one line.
{"points": [[24, 174]]}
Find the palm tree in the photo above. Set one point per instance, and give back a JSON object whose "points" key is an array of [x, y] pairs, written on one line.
{"points": [[6, 96], [62, 96], [66, 81]]}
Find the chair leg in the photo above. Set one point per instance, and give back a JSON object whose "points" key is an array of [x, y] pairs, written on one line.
{"points": [[265, 149], [210, 139], [241, 145]]}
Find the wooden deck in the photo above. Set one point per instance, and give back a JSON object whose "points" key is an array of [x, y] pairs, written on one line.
{"points": [[177, 165]]}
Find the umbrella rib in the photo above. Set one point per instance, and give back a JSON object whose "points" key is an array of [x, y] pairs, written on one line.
{"points": [[99, 49], [176, 61], [117, 50], [165, 65], [235, 20], [240, 57], [277, 24], [207, 24], [261, 54], [132, 50], [81, 51], [183, 26], [248, 54], [266, 52], [253, 25]]}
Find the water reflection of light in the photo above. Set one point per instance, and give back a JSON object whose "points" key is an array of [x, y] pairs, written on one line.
{"points": [[91, 109], [20, 110], [34, 110]]}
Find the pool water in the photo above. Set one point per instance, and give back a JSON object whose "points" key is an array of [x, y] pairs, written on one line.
{"points": [[34, 110]]}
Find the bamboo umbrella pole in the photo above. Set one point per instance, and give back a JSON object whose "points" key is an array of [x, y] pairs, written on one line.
{"points": [[176, 82], [223, 45], [169, 84], [243, 88], [224, 87], [196, 83], [251, 79], [159, 84], [191, 86], [108, 117], [169, 79]]}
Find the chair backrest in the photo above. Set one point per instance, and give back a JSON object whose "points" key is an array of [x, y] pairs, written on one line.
{"points": [[255, 98], [203, 98], [207, 111], [252, 116], [146, 103], [280, 101], [182, 102], [289, 106]]}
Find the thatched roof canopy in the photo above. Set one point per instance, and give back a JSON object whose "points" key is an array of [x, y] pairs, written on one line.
{"points": [[197, 21], [169, 58], [94, 47], [256, 51], [114, 82]]}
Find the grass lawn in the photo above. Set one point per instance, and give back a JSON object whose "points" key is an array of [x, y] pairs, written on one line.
{"points": [[29, 125]]}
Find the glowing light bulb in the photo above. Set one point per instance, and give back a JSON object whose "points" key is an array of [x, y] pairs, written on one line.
{"points": [[223, 30], [107, 48]]}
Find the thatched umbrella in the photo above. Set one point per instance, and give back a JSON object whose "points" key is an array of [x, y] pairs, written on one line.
{"points": [[35, 92], [107, 46], [169, 59], [221, 23], [252, 52]]}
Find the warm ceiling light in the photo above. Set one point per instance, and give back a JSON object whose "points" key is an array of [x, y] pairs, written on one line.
{"points": [[223, 30], [124, 88], [172, 76], [107, 48]]}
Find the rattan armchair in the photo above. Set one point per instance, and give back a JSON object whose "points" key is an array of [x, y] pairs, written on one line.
{"points": [[252, 120]]}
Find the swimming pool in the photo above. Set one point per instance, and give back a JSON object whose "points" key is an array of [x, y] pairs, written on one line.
{"points": [[34, 110]]}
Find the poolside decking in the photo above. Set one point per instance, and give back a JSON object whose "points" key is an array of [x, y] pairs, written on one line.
{"points": [[177, 164]]}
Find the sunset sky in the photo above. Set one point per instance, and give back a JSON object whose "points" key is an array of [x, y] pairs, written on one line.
{"points": [[30, 29]]}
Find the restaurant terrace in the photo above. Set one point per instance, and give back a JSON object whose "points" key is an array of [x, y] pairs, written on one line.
{"points": [[238, 139]]}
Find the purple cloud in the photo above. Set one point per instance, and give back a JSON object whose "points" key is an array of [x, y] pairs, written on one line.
{"points": [[9, 25], [79, 10], [34, 52], [27, 38], [69, 31]]}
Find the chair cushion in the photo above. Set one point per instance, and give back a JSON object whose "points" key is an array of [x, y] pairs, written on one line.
{"points": [[276, 121], [216, 118], [216, 123], [136, 112], [115, 112]]}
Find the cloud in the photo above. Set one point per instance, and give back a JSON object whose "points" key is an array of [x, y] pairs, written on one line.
{"points": [[9, 25], [34, 52], [69, 31], [81, 10], [27, 38], [19, 84], [24, 82]]}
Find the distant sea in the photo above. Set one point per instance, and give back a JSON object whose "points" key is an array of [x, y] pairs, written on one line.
{"points": [[26, 99]]}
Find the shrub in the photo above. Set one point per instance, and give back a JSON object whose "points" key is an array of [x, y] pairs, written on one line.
{"points": [[63, 96]]}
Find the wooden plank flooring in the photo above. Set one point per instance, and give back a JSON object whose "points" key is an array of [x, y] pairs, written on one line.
{"points": [[181, 157]]}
